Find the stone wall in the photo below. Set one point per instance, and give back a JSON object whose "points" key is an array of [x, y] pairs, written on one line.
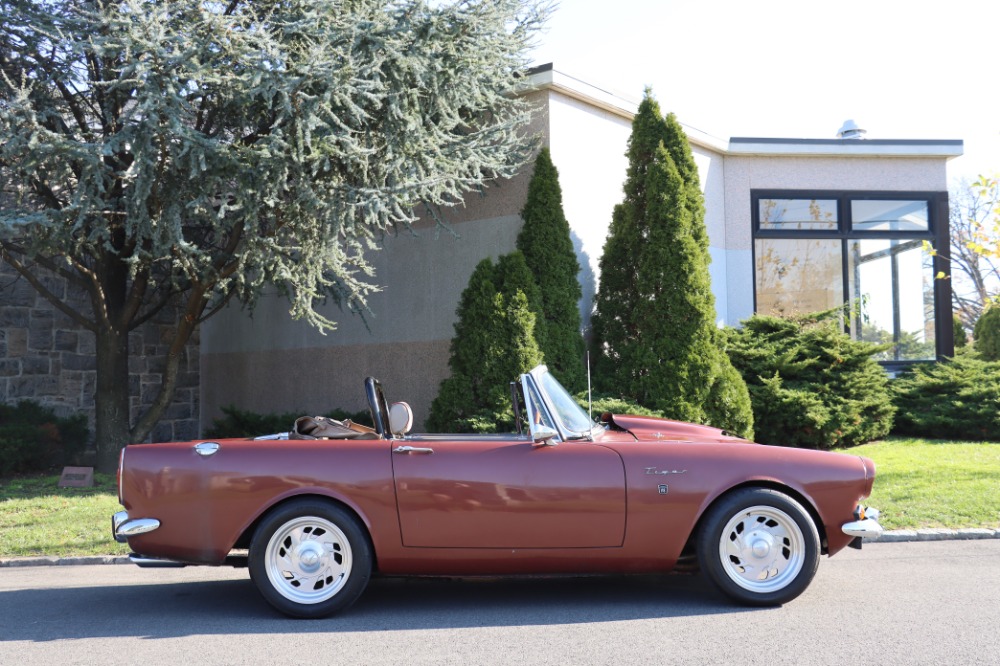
{"points": [[46, 357]]}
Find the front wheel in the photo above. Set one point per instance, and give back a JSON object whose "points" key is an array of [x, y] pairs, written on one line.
{"points": [[759, 546], [310, 559]]}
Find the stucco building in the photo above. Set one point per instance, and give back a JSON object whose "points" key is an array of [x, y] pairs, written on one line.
{"points": [[795, 225]]}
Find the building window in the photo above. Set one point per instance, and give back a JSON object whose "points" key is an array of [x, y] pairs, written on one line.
{"points": [[796, 275], [815, 251]]}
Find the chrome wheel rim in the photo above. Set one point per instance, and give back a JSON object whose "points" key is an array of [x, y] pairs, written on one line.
{"points": [[308, 560], [762, 549]]}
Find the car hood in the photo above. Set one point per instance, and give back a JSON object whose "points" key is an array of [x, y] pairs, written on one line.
{"points": [[650, 428]]}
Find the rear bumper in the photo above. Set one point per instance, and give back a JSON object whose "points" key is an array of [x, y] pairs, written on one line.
{"points": [[123, 527]]}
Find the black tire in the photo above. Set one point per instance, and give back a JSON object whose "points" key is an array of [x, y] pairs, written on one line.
{"points": [[310, 558], [759, 547]]}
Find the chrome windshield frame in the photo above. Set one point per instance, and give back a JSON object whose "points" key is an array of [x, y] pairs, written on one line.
{"points": [[535, 378]]}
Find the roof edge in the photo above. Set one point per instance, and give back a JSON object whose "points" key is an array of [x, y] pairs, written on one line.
{"points": [[546, 77], [946, 148]]}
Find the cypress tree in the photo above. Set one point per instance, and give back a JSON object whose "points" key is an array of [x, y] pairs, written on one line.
{"points": [[494, 342], [654, 324], [548, 250]]}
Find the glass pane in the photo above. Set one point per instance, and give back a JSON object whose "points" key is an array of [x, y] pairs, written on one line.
{"points": [[889, 215], [798, 275], [891, 284], [797, 214], [571, 414], [538, 412]]}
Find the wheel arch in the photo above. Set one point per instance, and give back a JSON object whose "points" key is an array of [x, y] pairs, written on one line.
{"points": [[246, 537], [803, 500]]}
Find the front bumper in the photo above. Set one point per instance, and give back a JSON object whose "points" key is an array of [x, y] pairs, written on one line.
{"points": [[865, 525], [123, 527]]}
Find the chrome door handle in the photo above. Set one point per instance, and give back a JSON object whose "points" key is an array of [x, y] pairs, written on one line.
{"points": [[411, 449]]}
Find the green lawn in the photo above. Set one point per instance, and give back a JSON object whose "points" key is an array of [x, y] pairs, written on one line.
{"points": [[39, 518], [920, 483], [935, 483]]}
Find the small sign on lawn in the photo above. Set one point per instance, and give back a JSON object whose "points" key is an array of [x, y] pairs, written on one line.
{"points": [[77, 477]]}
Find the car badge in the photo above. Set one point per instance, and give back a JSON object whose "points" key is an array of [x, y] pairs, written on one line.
{"points": [[653, 470]]}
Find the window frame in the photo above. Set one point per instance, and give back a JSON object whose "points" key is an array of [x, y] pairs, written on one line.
{"points": [[937, 234]]}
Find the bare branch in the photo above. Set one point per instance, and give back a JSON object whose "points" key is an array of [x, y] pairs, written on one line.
{"points": [[28, 274]]}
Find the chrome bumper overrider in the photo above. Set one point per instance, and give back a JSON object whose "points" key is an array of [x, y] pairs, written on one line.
{"points": [[122, 527], [866, 526]]}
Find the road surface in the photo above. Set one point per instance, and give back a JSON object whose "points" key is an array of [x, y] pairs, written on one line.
{"points": [[892, 603]]}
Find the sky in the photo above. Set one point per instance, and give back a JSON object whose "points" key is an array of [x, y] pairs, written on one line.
{"points": [[797, 69]]}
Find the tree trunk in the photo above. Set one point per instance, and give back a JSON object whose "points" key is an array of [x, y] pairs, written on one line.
{"points": [[112, 397]]}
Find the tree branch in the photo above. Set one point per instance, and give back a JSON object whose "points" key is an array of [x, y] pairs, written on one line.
{"points": [[154, 309], [47, 264], [182, 334], [135, 298], [75, 109], [60, 304], [45, 192]]}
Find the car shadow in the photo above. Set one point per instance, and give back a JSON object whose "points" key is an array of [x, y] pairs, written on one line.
{"points": [[389, 604]]}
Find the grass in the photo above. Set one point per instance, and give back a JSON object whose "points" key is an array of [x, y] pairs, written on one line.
{"points": [[37, 517], [935, 483], [920, 483]]}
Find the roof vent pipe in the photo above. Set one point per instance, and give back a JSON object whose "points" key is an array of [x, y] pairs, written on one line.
{"points": [[850, 130]]}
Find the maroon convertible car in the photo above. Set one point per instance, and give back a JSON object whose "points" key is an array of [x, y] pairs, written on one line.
{"points": [[314, 513]]}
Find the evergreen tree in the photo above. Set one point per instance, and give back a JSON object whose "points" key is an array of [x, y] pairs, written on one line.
{"points": [[494, 343], [188, 152], [654, 323], [548, 250]]}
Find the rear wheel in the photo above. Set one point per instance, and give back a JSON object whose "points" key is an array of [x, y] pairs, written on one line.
{"points": [[759, 546], [310, 559]]}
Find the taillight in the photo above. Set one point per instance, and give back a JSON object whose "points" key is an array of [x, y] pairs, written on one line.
{"points": [[118, 477]]}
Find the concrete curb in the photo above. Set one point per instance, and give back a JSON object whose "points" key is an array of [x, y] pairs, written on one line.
{"points": [[967, 534], [63, 561], [893, 536]]}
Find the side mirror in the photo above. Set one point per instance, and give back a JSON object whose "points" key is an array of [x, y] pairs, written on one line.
{"points": [[543, 435]]}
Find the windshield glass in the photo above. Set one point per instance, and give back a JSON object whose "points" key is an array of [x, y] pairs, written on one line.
{"points": [[567, 410]]}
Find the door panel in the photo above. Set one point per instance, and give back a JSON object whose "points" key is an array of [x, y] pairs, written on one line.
{"points": [[509, 494]]}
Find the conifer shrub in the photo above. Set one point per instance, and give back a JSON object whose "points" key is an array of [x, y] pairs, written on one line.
{"points": [[961, 338], [987, 333], [608, 404], [811, 385], [494, 343], [545, 242], [33, 438], [957, 398], [729, 403]]}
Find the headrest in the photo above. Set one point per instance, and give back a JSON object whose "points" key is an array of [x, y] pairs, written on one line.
{"points": [[400, 418]]}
